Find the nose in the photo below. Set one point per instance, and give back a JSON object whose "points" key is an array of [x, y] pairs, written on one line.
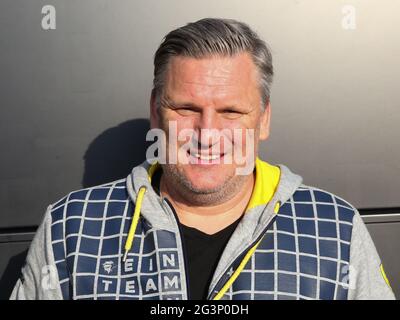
{"points": [[207, 128]]}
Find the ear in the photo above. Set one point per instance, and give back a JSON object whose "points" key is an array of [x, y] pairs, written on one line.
{"points": [[154, 112], [265, 119]]}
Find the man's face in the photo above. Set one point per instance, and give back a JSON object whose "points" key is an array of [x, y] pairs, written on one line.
{"points": [[219, 93]]}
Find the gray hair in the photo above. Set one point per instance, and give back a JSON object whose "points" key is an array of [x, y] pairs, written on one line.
{"points": [[210, 36]]}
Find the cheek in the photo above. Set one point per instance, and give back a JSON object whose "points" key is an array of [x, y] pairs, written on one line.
{"points": [[238, 128], [170, 119], [245, 138], [179, 130]]}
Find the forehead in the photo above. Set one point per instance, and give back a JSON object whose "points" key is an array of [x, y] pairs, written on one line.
{"points": [[213, 77]]}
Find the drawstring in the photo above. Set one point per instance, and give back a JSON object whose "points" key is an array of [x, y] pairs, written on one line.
{"points": [[136, 213], [242, 264], [135, 219]]}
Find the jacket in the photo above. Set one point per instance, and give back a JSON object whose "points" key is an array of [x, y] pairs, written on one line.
{"points": [[121, 240]]}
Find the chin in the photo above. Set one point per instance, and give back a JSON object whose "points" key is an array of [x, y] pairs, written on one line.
{"points": [[206, 183], [206, 187]]}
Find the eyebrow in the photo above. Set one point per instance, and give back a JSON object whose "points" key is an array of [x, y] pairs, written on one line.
{"points": [[169, 102]]}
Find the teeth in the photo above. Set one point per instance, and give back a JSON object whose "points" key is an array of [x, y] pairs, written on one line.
{"points": [[212, 157]]}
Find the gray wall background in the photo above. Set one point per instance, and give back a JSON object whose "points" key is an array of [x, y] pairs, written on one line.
{"points": [[74, 102]]}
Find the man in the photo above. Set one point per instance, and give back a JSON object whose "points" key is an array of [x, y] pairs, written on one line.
{"points": [[196, 224]]}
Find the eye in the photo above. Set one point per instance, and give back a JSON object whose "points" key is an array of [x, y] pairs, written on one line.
{"points": [[231, 114], [185, 111]]}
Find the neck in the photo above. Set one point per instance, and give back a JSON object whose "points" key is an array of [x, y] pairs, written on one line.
{"points": [[213, 217]]}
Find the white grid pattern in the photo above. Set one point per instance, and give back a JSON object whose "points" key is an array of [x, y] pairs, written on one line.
{"points": [[308, 278], [297, 248], [144, 236], [78, 244], [121, 236], [103, 225], [338, 247], [317, 242]]}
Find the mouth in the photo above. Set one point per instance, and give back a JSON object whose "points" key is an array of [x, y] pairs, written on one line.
{"points": [[204, 159]]}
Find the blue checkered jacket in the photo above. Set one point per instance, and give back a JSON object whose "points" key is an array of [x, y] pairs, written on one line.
{"points": [[315, 247]]}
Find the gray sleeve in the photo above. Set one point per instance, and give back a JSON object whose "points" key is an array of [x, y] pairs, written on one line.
{"points": [[39, 278], [367, 280]]}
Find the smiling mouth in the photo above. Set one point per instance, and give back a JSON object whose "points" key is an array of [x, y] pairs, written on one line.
{"points": [[205, 157]]}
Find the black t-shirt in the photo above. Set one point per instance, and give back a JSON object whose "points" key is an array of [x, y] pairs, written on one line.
{"points": [[202, 252]]}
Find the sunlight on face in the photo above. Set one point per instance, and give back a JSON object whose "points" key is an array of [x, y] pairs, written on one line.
{"points": [[209, 96]]}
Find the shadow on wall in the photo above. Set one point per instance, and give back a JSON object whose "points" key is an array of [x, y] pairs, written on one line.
{"points": [[114, 153], [11, 274], [111, 156]]}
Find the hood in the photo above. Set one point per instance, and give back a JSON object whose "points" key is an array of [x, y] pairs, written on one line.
{"points": [[257, 215]]}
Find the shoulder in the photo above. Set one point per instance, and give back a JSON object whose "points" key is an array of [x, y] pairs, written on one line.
{"points": [[315, 203], [322, 222], [90, 200]]}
